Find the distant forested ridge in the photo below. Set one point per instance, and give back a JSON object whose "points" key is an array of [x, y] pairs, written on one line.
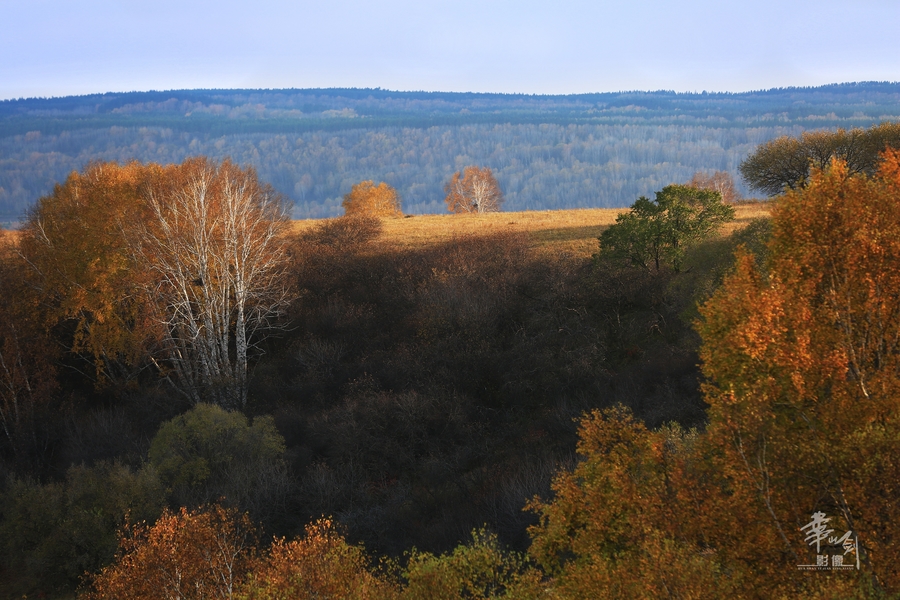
{"points": [[312, 145]]}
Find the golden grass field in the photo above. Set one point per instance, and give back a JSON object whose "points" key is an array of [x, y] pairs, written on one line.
{"points": [[574, 231]]}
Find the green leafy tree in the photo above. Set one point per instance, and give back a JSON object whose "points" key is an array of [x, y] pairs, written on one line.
{"points": [[51, 534], [785, 162], [656, 233], [480, 569], [209, 452]]}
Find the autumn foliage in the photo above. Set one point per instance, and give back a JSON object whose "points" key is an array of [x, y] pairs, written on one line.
{"points": [[624, 523], [178, 266], [475, 190], [192, 554], [368, 199], [803, 366], [801, 359], [81, 274], [321, 564], [801, 379]]}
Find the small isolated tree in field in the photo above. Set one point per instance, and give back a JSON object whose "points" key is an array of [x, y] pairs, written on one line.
{"points": [[656, 233], [368, 199], [474, 191]]}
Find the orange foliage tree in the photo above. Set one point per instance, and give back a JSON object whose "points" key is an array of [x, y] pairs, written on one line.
{"points": [[802, 365], [320, 565], [474, 191], [81, 268], [623, 524], [203, 241], [368, 199], [190, 555]]}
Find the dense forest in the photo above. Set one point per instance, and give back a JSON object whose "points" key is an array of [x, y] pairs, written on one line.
{"points": [[200, 397], [547, 152]]}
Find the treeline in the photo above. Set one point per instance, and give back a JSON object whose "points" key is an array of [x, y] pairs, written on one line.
{"points": [[590, 150]]}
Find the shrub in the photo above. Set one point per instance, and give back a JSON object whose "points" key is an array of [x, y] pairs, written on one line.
{"points": [[51, 534], [209, 453], [480, 569]]}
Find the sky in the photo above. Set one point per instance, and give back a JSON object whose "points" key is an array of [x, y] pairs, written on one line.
{"points": [[68, 47]]}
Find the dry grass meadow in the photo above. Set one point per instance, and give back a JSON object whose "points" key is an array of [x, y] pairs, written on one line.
{"points": [[572, 231]]}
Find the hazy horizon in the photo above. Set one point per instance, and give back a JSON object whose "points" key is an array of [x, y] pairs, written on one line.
{"points": [[478, 92], [52, 50]]}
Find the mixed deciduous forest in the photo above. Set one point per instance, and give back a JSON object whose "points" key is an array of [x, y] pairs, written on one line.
{"points": [[547, 152], [200, 397]]}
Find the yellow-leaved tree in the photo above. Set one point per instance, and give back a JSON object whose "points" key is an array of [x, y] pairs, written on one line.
{"points": [[368, 199], [792, 488], [803, 369], [189, 555], [80, 268], [319, 565]]}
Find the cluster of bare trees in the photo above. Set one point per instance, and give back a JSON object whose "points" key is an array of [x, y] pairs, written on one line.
{"points": [[213, 240], [179, 267]]}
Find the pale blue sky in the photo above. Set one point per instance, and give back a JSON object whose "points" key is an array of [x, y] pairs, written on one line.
{"points": [[63, 47]]}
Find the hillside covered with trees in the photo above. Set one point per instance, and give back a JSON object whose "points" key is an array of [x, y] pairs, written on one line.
{"points": [[418, 397], [202, 398], [547, 152]]}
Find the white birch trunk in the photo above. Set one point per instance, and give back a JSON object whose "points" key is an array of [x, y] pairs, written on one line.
{"points": [[215, 247]]}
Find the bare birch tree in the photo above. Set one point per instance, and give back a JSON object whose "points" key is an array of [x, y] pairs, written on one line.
{"points": [[213, 247], [475, 191]]}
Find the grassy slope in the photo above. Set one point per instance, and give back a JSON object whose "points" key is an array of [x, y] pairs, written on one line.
{"points": [[574, 231]]}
